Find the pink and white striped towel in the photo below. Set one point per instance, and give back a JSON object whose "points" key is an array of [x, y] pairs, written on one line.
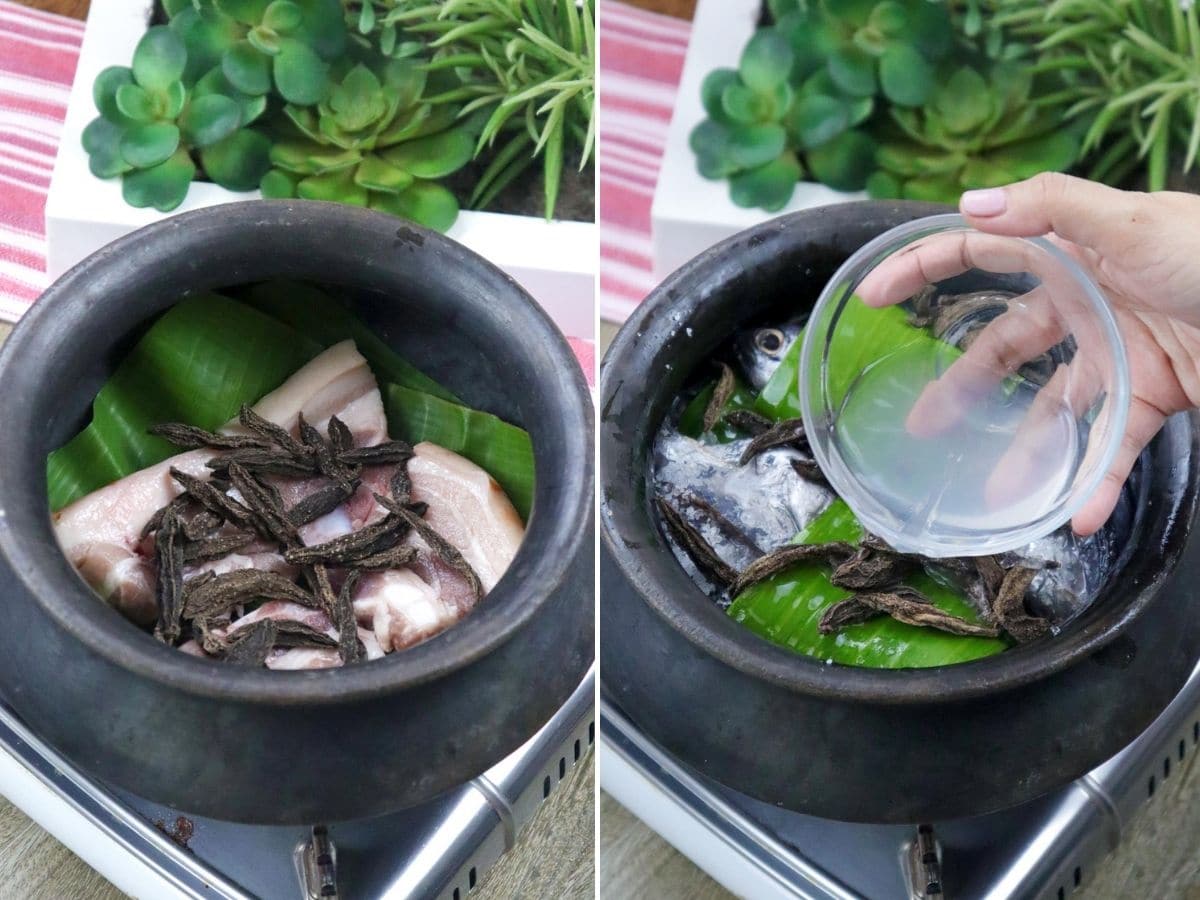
{"points": [[641, 61], [38, 53]]}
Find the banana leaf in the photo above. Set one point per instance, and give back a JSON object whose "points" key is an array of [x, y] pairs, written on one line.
{"points": [[207, 356], [198, 364], [786, 609], [503, 450], [691, 420], [318, 316]]}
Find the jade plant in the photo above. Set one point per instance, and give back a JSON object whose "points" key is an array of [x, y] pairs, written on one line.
{"points": [[153, 128], [979, 129], [374, 142]]}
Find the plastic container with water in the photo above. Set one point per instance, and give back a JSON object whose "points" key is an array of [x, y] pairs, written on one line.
{"points": [[965, 393]]}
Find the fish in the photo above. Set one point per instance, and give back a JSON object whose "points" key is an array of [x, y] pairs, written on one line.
{"points": [[759, 351]]}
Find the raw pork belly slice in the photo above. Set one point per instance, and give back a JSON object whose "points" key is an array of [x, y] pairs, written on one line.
{"points": [[101, 533], [295, 658]]}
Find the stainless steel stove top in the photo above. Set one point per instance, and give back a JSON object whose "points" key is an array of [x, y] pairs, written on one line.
{"points": [[1044, 849], [438, 850]]}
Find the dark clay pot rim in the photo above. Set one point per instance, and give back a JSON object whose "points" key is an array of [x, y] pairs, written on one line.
{"points": [[661, 582], [556, 526]]}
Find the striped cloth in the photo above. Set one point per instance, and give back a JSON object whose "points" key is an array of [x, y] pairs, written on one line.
{"points": [[38, 52], [641, 61]]}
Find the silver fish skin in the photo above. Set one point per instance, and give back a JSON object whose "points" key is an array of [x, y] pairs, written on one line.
{"points": [[759, 351]]}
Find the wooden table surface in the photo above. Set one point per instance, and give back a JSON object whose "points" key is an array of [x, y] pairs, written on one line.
{"points": [[554, 857]]}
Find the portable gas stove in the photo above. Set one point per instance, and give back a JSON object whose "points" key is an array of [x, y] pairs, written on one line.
{"points": [[438, 850], [1043, 849]]}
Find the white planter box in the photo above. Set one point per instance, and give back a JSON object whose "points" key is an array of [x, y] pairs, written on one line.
{"points": [[555, 261], [691, 213]]}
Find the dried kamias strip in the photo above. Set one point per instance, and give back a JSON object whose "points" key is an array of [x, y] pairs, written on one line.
{"points": [[401, 486], [869, 569], [349, 647], [1009, 606], [845, 613], [265, 462], [396, 558], [208, 597], [348, 548], [290, 633], [389, 453], [340, 436], [253, 644], [264, 501], [694, 544], [788, 433], [176, 506], [748, 421], [724, 389], [327, 462], [784, 558], [213, 499], [215, 547], [321, 502], [189, 437], [441, 547], [810, 471], [272, 433], [169, 585], [905, 604]]}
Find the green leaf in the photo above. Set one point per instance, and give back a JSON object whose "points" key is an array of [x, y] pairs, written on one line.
{"points": [[435, 156], [104, 92], [283, 16], [743, 106], [247, 70], [1054, 152], [264, 41], [337, 186], [766, 60], [209, 118], [305, 158], [904, 76], [173, 7], [277, 185], [786, 610], [374, 174], [710, 142], [815, 119], [407, 78], [215, 83], [135, 104], [853, 71], [301, 76], [322, 318], [358, 101], [248, 12], [963, 102], [754, 145], [324, 27], [884, 186], [239, 161], [102, 141], [207, 34], [423, 202], [502, 450], [148, 145], [159, 59], [712, 91], [767, 187], [173, 99], [844, 163], [162, 187]]}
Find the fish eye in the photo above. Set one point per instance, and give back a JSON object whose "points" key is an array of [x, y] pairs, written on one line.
{"points": [[769, 340]]}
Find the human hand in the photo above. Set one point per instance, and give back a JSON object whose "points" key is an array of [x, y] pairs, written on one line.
{"points": [[1142, 250]]}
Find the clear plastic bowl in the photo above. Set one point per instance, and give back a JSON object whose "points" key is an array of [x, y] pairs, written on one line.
{"points": [[980, 412]]}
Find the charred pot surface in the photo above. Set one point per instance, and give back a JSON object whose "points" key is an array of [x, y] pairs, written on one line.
{"points": [[176, 729], [848, 743]]}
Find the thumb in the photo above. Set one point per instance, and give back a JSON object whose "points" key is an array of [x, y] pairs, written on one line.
{"points": [[1084, 212]]}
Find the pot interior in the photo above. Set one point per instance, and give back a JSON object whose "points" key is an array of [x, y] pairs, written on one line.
{"points": [[768, 275]]}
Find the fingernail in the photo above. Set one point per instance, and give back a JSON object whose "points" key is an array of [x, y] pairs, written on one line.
{"points": [[991, 202]]}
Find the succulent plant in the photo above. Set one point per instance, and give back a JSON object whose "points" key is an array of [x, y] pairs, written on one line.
{"points": [[867, 47], [374, 142], [151, 125], [529, 63], [260, 45], [758, 124], [979, 129]]}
